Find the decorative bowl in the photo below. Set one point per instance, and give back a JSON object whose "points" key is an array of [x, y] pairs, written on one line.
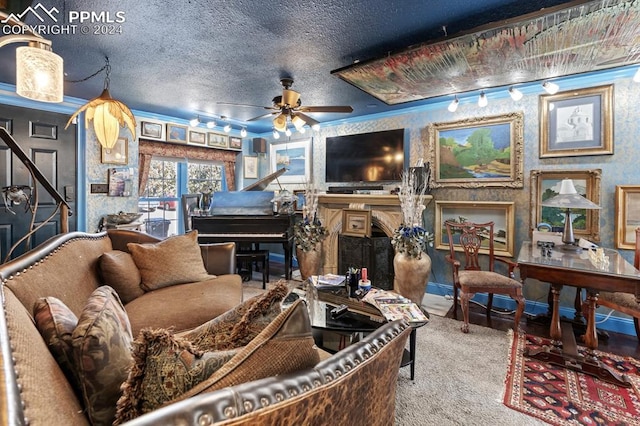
{"points": [[122, 218]]}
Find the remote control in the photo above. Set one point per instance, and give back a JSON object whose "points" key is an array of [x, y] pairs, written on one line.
{"points": [[338, 311]]}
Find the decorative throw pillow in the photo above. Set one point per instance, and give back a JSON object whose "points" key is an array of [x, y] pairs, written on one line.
{"points": [[176, 260], [56, 323], [120, 272], [240, 325], [165, 367], [102, 344], [284, 346]]}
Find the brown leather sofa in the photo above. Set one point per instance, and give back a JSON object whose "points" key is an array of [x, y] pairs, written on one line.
{"points": [[357, 382]]}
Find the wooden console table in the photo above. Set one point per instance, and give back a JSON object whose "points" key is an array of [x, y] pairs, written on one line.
{"points": [[575, 269]]}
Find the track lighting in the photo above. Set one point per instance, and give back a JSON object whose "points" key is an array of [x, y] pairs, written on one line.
{"points": [[515, 94], [276, 134], [453, 106], [287, 132], [636, 77], [482, 100], [227, 128], [211, 124], [550, 88], [243, 132], [194, 121]]}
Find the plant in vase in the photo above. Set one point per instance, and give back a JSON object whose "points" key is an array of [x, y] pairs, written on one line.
{"points": [[412, 265], [308, 235]]}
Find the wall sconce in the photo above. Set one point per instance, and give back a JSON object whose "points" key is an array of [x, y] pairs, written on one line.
{"points": [[568, 198], [39, 71], [453, 106], [482, 100], [108, 115], [515, 94], [550, 88]]}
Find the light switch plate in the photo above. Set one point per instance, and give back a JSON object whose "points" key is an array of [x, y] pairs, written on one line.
{"points": [[99, 188]]}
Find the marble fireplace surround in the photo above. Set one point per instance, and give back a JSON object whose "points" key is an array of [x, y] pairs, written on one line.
{"points": [[385, 214]]}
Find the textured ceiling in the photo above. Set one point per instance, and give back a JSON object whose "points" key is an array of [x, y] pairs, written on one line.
{"points": [[182, 58]]}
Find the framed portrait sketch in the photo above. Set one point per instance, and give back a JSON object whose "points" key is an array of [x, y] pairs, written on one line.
{"points": [[627, 216], [501, 213], [116, 155], [149, 129], [577, 122], [356, 223], [546, 184], [176, 133], [250, 167], [478, 152], [294, 157]]}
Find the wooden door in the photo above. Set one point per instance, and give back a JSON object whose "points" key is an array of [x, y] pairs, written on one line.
{"points": [[42, 136]]}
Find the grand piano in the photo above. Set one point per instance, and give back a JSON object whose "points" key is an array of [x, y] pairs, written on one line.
{"points": [[247, 217]]}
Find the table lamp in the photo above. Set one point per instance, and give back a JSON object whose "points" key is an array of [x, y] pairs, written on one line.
{"points": [[567, 199]]}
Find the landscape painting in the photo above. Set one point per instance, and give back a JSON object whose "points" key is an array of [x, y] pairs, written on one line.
{"points": [[295, 157], [478, 152]]}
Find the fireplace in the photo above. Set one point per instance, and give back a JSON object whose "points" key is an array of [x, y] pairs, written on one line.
{"points": [[385, 215]]}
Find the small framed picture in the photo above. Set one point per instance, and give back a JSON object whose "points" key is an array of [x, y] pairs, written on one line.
{"points": [[627, 216], [176, 133], [151, 130], [199, 138], [217, 140], [250, 167], [577, 122], [118, 154], [235, 142], [356, 223], [120, 181]]}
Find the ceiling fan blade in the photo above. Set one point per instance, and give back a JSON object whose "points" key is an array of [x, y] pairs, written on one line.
{"points": [[326, 109], [310, 121], [260, 117], [244, 105]]}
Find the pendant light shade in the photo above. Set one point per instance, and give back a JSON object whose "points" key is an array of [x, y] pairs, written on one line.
{"points": [[280, 122], [39, 74]]}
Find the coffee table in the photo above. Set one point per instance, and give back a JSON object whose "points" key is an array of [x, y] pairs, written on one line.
{"points": [[357, 320]]}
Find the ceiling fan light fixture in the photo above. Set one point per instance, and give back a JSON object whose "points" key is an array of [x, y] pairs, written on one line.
{"points": [[276, 134], [280, 122], [302, 130], [550, 88], [290, 97], [316, 127], [287, 132], [515, 94], [298, 122], [453, 106]]}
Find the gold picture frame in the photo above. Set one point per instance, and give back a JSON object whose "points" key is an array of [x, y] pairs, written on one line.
{"points": [[577, 122], [119, 154], [501, 213], [177, 133], [545, 184], [456, 164], [627, 213], [356, 223]]}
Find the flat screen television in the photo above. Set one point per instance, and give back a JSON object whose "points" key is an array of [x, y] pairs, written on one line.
{"points": [[365, 157]]}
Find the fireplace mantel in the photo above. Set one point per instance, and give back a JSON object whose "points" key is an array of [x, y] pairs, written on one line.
{"points": [[385, 214]]}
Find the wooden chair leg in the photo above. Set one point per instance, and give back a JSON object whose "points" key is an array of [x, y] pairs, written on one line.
{"points": [[464, 304], [455, 302], [519, 311]]}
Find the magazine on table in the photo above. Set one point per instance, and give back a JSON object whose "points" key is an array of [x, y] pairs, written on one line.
{"points": [[328, 280], [394, 306]]}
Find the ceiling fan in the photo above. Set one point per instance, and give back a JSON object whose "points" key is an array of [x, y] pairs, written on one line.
{"points": [[289, 107]]}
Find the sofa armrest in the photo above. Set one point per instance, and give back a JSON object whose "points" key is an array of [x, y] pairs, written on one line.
{"points": [[219, 258]]}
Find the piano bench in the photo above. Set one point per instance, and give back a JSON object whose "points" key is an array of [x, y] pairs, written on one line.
{"points": [[247, 258]]}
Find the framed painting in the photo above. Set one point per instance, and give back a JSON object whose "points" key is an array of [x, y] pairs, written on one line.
{"points": [[478, 152], [218, 140], [116, 155], [120, 181], [294, 157], [627, 216], [235, 142], [501, 213], [176, 133], [546, 184], [356, 223], [151, 130], [198, 138], [250, 167], [577, 122]]}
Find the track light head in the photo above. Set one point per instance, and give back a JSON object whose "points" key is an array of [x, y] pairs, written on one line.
{"points": [[211, 124], [482, 100], [515, 94], [243, 132], [550, 88], [194, 121], [453, 106]]}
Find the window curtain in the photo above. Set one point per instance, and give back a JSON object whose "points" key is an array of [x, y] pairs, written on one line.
{"points": [[148, 148]]}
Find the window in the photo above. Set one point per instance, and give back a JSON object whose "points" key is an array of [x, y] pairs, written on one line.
{"points": [[168, 180]]}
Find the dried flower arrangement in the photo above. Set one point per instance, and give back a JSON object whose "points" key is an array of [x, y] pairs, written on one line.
{"points": [[309, 231]]}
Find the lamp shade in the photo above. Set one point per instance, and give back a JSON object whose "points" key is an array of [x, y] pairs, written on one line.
{"points": [[280, 122], [39, 74], [568, 198]]}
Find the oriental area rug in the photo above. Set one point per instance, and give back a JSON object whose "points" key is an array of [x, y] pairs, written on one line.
{"points": [[564, 397]]}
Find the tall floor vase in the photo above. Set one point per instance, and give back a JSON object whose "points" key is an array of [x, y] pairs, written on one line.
{"points": [[411, 276], [309, 262]]}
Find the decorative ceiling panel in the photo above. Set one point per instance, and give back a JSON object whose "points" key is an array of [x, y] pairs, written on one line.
{"points": [[587, 36]]}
